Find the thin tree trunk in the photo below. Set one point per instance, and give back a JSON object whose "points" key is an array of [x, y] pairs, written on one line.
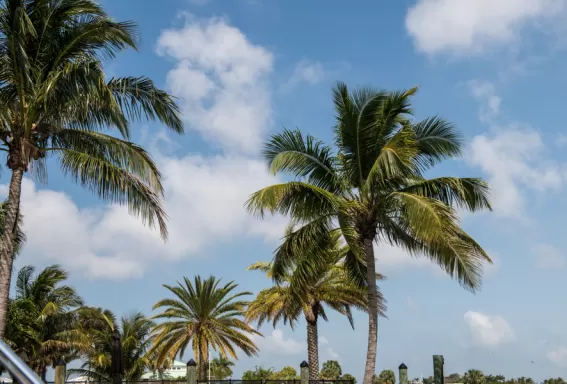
{"points": [[203, 359], [313, 349], [372, 312], [7, 243]]}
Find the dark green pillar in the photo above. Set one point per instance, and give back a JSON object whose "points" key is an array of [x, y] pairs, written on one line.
{"points": [[438, 375], [403, 373]]}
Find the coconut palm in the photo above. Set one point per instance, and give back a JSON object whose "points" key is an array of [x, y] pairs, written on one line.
{"points": [[205, 314], [94, 338], [43, 310], [19, 235], [330, 286], [370, 187], [57, 102]]}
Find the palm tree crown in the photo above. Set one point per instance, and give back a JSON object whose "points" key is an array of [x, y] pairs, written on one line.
{"points": [[371, 187], [204, 313], [329, 286], [55, 101]]}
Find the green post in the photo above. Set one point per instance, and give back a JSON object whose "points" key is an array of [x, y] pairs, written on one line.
{"points": [[304, 373], [191, 372], [438, 375], [403, 373], [60, 372]]}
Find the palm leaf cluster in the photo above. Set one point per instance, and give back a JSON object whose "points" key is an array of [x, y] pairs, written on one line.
{"points": [[203, 314], [56, 102], [370, 187]]}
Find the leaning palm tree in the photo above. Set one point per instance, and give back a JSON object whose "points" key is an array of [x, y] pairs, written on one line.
{"points": [[55, 101], [43, 310], [329, 286], [371, 188], [94, 338], [205, 314]]}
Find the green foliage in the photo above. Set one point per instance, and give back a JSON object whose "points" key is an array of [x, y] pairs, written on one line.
{"points": [[331, 370], [456, 378], [387, 376], [221, 368], [558, 380], [259, 373], [202, 313], [349, 377], [521, 380], [474, 376], [94, 336], [42, 313], [495, 379], [286, 373], [428, 380]]}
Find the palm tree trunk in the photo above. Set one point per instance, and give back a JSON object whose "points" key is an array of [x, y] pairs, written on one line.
{"points": [[313, 349], [7, 245], [372, 312], [203, 359]]}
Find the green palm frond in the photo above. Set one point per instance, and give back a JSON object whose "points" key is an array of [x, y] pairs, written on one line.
{"points": [[202, 313]]}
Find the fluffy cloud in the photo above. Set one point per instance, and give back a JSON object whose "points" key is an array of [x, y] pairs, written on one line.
{"points": [[558, 356], [306, 71], [513, 157], [325, 351], [548, 257], [221, 80], [488, 331], [204, 201], [277, 344], [473, 26]]}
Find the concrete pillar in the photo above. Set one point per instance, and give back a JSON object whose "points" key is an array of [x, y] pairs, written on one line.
{"points": [[60, 372], [304, 373], [438, 375], [403, 373], [191, 372]]}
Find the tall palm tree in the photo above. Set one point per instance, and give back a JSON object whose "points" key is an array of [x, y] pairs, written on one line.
{"points": [[94, 339], [329, 286], [205, 314], [43, 310], [55, 101], [370, 187]]}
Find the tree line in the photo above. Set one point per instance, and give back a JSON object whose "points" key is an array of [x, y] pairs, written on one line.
{"points": [[369, 187]]}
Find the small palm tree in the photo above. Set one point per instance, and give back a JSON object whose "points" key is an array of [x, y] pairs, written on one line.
{"points": [[56, 102], [371, 188], [93, 339], [43, 310], [204, 314], [329, 286]]}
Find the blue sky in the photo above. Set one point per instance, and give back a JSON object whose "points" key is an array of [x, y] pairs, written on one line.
{"points": [[245, 68]]}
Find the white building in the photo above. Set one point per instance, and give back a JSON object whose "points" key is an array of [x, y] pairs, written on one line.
{"points": [[178, 369]]}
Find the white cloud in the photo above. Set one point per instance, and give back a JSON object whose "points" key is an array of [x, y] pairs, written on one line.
{"points": [[221, 80], [204, 201], [488, 331], [485, 93], [474, 26], [326, 352], [306, 71], [558, 356], [548, 257], [276, 343]]}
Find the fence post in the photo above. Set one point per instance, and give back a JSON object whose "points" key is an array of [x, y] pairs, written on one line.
{"points": [[403, 373], [60, 372], [304, 373], [438, 375], [191, 372]]}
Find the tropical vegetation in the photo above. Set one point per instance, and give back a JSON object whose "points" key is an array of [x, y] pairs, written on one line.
{"points": [[56, 102], [371, 187], [330, 287], [203, 314]]}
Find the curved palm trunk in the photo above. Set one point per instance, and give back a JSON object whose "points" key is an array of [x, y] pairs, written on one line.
{"points": [[372, 312], [7, 243], [313, 349]]}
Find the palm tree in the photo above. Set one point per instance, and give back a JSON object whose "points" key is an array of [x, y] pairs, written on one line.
{"points": [[474, 376], [203, 313], [371, 189], [56, 101], [95, 335], [330, 286], [221, 368], [43, 310]]}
